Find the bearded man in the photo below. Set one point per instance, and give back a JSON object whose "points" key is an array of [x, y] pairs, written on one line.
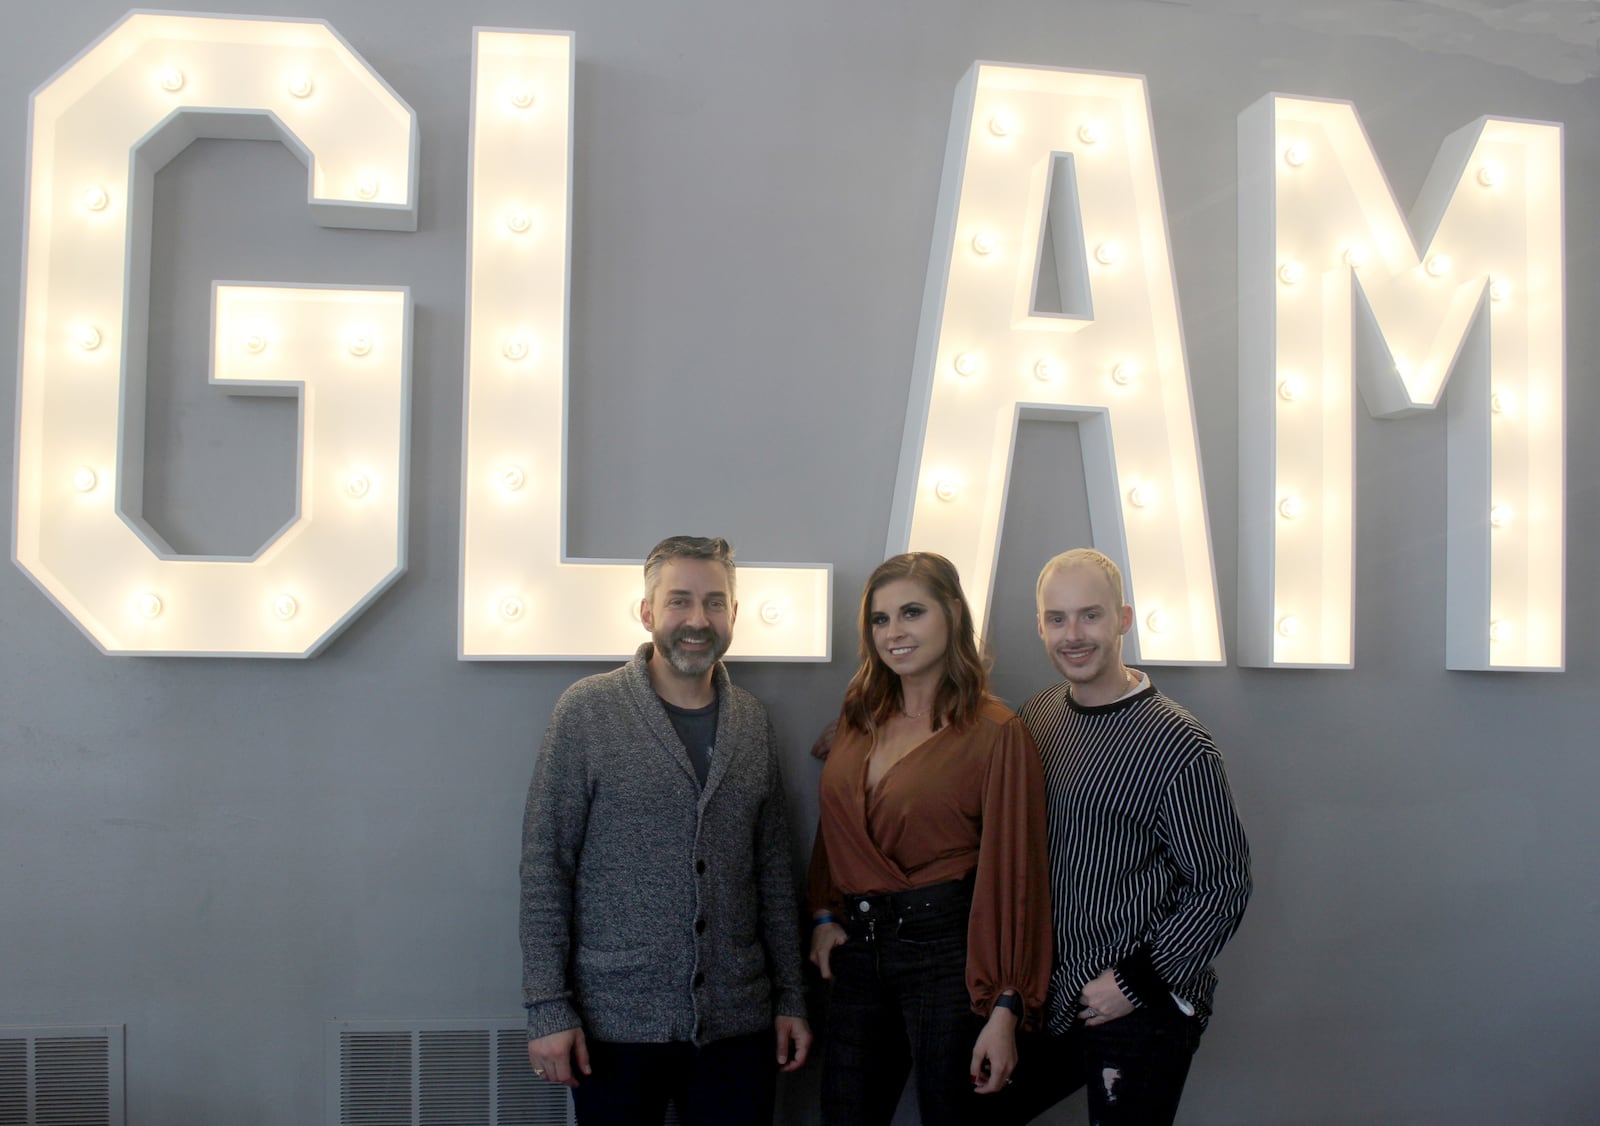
{"points": [[660, 927]]}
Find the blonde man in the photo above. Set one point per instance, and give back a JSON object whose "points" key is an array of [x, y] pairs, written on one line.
{"points": [[1149, 867]]}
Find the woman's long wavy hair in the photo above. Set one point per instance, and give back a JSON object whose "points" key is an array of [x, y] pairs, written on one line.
{"points": [[874, 692]]}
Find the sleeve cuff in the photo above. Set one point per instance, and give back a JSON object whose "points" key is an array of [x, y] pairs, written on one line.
{"points": [[1137, 978], [790, 1003], [548, 1017]]}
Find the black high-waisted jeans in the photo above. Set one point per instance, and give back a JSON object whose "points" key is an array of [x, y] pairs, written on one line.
{"points": [[899, 997]]}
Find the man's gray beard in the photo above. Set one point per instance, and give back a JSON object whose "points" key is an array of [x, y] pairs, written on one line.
{"points": [[692, 664]]}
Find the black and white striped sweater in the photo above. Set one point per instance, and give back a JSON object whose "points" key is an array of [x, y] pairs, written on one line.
{"points": [[1149, 867]]}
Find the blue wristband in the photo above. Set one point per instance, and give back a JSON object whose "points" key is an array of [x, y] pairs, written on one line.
{"points": [[823, 920]]}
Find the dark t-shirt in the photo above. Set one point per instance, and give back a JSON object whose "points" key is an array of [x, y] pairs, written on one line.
{"points": [[697, 729]]}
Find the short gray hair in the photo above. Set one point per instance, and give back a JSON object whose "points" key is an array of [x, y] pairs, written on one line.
{"points": [[687, 547]]}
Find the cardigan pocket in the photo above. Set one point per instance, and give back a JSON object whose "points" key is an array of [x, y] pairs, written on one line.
{"points": [[631, 968]]}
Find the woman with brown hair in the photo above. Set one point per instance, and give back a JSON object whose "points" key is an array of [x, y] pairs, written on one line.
{"points": [[929, 881]]}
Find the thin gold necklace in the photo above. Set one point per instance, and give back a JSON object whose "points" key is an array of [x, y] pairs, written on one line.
{"points": [[1130, 681]]}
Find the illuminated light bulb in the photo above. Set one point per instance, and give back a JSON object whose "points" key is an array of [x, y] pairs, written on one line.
{"points": [[1000, 125], [521, 98], [1499, 516], [359, 345], [89, 338], [514, 349], [1123, 374], [1141, 495], [1499, 631], [171, 79], [1288, 626], [1090, 133], [1489, 173], [512, 478], [965, 364], [982, 243], [1290, 508], [1500, 402], [300, 85], [1108, 253], [96, 199], [1158, 621], [1046, 370], [518, 223], [1290, 272], [1499, 290], [1437, 265], [511, 608], [148, 606], [772, 612], [1402, 366], [1291, 389], [255, 344], [358, 485], [84, 480], [1355, 256], [367, 187], [945, 489], [1297, 154], [285, 607]]}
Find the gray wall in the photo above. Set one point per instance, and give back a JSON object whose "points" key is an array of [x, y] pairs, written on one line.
{"points": [[225, 854]]}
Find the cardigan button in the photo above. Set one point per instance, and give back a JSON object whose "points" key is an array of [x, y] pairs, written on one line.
{"points": [[699, 980], [699, 926], [700, 867], [864, 906]]}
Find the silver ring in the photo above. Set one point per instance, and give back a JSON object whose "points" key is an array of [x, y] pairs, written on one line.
{"points": [[539, 1071]]}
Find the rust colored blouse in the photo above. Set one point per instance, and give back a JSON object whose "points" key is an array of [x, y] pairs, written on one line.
{"points": [[956, 802]]}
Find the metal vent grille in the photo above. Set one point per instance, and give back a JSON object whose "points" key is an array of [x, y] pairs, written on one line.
{"points": [[437, 1073], [61, 1076]]}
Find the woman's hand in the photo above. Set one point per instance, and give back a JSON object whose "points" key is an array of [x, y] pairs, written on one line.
{"points": [[996, 1046], [823, 939]]}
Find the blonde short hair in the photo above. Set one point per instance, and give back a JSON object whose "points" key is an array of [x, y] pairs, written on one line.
{"points": [[1082, 555]]}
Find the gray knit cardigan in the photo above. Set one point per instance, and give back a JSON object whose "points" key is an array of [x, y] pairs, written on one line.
{"points": [[653, 909]]}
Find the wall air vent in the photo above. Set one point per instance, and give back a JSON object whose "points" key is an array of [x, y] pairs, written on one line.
{"points": [[436, 1073], [61, 1076]]}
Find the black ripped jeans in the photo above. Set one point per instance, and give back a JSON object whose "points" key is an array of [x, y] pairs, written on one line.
{"points": [[1133, 1068]]}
